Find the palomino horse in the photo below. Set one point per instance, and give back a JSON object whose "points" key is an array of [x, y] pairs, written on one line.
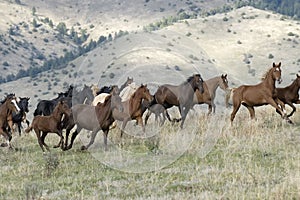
{"points": [[42, 125], [8, 106], [180, 96], [128, 91], [289, 95], [93, 118], [132, 108], [258, 95], [209, 94]]}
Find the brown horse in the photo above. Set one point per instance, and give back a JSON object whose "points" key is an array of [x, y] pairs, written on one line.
{"points": [[93, 118], [289, 95], [7, 107], [42, 125], [209, 94], [180, 96], [258, 95], [133, 108]]}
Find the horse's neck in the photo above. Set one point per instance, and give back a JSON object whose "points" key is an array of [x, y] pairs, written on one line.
{"points": [[212, 84], [269, 82], [57, 114], [294, 87], [135, 102]]}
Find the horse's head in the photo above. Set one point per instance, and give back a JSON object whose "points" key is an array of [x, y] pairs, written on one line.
{"points": [[114, 90], [223, 82], [196, 82], [128, 81], [63, 108], [11, 102], [144, 91], [116, 103], [298, 79], [276, 72], [23, 104]]}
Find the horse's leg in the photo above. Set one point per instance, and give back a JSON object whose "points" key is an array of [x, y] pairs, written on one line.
{"points": [[7, 136], [140, 122], [210, 109], [61, 141], [293, 107], [77, 131], [184, 113], [19, 127], [124, 125], [40, 141], [236, 107], [273, 103], [164, 118], [105, 134], [94, 133], [251, 111], [43, 137], [147, 116], [213, 106]]}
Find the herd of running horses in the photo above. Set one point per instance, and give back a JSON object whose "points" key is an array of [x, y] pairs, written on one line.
{"points": [[97, 109]]}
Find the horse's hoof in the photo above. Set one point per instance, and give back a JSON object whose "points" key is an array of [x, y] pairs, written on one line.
{"points": [[56, 146], [83, 148], [3, 144]]}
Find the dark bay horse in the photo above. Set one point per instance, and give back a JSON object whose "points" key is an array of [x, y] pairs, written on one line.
{"points": [[209, 94], [180, 96], [42, 125], [132, 108], [261, 94], [92, 118], [290, 94], [8, 106]]}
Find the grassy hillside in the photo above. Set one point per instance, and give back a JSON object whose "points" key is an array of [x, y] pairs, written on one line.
{"points": [[209, 159]]}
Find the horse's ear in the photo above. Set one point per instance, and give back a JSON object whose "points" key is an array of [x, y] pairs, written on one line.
{"points": [[279, 64], [225, 76], [298, 75], [274, 64]]}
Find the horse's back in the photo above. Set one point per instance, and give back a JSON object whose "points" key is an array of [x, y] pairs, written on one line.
{"points": [[100, 98]]}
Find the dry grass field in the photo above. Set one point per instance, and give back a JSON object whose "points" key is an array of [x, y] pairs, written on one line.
{"points": [[208, 159]]}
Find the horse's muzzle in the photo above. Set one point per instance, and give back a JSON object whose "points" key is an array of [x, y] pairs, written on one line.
{"points": [[279, 80]]}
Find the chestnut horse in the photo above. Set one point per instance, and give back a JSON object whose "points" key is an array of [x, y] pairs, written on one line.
{"points": [[289, 95], [42, 125], [209, 94], [261, 94], [181, 96], [8, 106], [92, 118], [133, 108]]}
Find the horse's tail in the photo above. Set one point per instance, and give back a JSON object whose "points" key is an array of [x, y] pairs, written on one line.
{"points": [[28, 129]]}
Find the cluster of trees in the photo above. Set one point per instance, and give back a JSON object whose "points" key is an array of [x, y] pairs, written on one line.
{"points": [[285, 7]]}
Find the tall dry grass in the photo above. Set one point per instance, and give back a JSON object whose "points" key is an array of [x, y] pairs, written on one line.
{"points": [[256, 159]]}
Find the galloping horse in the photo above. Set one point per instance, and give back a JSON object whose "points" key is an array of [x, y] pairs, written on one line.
{"points": [[209, 94], [19, 117], [46, 107], [42, 125], [180, 96], [8, 106], [92, 118], [289, 95], [84, 96], [133, 108], [258, 95]]}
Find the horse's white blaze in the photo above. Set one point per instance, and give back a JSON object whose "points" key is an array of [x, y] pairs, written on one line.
{"points": [[16, 105], [277, 69]]}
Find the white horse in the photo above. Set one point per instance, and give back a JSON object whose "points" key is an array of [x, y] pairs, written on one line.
{"points": [[99, 98]]}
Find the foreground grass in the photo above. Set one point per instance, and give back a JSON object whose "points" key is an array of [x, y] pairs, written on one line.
{"points": [[249, 160]]}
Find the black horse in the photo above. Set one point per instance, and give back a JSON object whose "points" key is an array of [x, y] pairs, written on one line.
{"points": [[46, 107], [20, 116]]}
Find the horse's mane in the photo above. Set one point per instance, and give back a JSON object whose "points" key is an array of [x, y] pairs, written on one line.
{"points": [[189, 79], [265, 74], [7, 97]]}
